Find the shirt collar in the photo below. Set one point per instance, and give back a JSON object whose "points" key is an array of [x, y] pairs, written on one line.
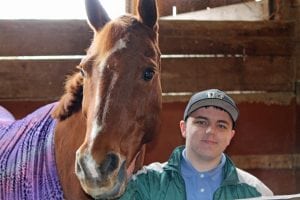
{"points": [[188, 170]]}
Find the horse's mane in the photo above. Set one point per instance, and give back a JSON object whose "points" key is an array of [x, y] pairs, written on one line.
{"points": [[70, 102]]}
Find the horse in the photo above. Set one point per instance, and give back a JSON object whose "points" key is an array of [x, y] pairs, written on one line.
{"points": [[88, 143]]}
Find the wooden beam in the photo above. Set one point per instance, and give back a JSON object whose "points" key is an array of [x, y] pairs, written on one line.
{"points": [[44, 37], [253, 73], [72, 37], [267, 98], [43, 79], [34, 80], [244, 38], [276, 161]]}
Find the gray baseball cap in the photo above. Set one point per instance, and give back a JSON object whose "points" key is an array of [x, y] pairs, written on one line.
{"points": [[212, 97]]}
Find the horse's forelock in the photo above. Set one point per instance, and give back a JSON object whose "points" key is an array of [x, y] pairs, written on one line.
{"points": [[110, 34], [106, 38]]}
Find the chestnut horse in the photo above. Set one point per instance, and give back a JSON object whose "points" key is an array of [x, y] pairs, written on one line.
{"points": [[110, 109]]}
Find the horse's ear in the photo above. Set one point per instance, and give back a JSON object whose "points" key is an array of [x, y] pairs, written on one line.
{"points": [[97, 16], [71, 101], [148, 13]]}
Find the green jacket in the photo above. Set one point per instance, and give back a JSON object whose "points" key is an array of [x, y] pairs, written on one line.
{"points": [[164, 182]]}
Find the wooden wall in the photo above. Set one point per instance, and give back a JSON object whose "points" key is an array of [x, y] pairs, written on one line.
{"points": [[290, 10], [253, 61]]}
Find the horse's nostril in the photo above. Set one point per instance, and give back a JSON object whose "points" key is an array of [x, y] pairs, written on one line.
{"points": [[109, 164]]}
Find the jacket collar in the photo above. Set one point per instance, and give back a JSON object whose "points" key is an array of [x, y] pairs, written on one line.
{"points": [[229, 170], [175, 159], [230, 175]]}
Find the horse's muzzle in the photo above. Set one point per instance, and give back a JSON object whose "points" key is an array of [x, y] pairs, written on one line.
{"points": [[106, 180]]}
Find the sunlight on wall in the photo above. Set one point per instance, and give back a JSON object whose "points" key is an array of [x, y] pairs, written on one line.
{"points": [[54, 9]]}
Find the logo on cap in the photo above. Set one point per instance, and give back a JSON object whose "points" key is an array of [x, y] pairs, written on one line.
{"points": [[217, 95]]}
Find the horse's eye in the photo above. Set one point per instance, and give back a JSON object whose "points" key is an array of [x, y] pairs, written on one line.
{"points": [[148, 74], [82, 72]]}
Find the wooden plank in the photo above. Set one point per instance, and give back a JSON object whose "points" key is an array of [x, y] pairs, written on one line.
{"points": [[72, 37], [271, 161], [20, 107], [236, 29], [37, 79], [244, 38], [267, 98], [298, 120], [251, 46], [297, 91], [253, 73], [43, 79], [296, 57], [280, 181], [44, 37], [273, 124]]}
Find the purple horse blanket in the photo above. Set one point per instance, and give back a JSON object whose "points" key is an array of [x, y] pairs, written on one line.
{"points": [[27, 160]]}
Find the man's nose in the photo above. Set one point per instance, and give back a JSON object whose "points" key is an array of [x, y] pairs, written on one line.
{"points": [[209, 130]]}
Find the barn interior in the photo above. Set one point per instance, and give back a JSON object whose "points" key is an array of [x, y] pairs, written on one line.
{"points": [[251, 49]]}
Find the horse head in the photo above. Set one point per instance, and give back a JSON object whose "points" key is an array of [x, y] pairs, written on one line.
{"points": [[118, 92]]}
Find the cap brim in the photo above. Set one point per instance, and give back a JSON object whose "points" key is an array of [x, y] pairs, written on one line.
{"points": [[232, 110]]}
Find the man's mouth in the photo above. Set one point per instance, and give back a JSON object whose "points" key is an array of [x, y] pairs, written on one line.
{"points": [[209, 142]]}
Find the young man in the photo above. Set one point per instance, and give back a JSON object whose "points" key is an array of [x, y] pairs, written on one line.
{"points": [[200, 169]]}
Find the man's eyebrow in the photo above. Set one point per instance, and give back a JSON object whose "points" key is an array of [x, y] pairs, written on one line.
{"points": [[219, 121], [223, 121], [201, 117], [206, 118]]}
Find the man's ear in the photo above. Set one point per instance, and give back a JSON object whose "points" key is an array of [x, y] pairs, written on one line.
{"points": [[232, 135], [183, 128]]}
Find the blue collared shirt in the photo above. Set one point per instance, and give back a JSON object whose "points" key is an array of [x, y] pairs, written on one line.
{"points": [[201, 185]]}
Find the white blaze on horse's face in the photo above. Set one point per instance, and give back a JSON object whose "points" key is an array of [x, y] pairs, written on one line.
{"points": [[96, 127], [120, 44]]}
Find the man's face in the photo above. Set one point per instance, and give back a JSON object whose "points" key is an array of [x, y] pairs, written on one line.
{"points": [[208, 131]]}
